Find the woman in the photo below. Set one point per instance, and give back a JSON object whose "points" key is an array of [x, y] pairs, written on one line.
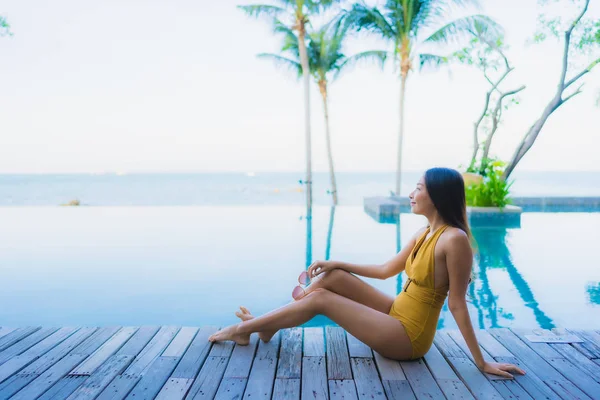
{"points": [[438, 261]]}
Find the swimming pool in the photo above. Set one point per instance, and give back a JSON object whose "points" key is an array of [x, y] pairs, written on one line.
{"points": [[196, 265]]}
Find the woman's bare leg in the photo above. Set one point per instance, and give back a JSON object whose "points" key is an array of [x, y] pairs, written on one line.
{"points": [[343, 283], [389, 339], [352, 287]]}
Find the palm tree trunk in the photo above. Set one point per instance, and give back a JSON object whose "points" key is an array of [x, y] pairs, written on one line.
{"points": [[306, 76], [401, 134], [329, 233], [323, 89]]}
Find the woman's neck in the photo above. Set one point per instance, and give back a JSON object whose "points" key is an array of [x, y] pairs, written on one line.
{"points": [[435, 222]]}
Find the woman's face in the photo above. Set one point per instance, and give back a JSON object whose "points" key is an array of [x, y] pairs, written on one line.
{"points": [[420, 202]]}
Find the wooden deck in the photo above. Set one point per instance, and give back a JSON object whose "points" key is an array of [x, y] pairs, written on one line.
{"points": [[175, 363]]}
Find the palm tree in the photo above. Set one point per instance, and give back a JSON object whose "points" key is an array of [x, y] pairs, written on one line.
{"points": [[400, 22], [326, 61], [296, 13]]}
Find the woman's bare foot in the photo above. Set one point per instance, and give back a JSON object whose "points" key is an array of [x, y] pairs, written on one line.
{"points": [[230, 333], [245, 315]]}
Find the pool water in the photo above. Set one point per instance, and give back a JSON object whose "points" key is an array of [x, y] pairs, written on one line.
{"points": [[196, 265]]}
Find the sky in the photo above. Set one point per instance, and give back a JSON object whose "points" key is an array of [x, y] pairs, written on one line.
{"points": [[175, 86]]}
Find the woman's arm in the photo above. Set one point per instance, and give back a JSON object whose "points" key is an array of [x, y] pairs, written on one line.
{"points": [[459, 261], [380, 271]]}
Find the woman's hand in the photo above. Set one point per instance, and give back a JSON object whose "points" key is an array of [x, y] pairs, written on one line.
{"points": [[318, 267], [501, 369]]}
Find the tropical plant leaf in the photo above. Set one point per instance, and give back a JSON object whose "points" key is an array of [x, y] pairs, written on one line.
{"points": [[288, 63], [378, 57], [431, 60], [362, 17], [263, 10], [466, 25]]}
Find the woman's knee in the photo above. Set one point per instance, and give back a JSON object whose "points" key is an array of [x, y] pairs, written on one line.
{"points": [[318, 298], [334, 275]]}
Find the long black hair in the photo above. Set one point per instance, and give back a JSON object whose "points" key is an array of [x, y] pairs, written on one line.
{"points": [[446, 189]]}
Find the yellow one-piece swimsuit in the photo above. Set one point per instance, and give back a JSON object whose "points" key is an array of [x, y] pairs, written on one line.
{"points": [[419, 304]]}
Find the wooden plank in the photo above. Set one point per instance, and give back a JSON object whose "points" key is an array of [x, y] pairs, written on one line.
{"points": [[61, 384], [446, 345], [314, 342], [394, 381], [238, 370], [262, 375], [181, 342], [195, 355], [450, 384], [536, 365], [290, 356], [338, 360], [356, 348], [366, 379], [157, 374], [156, 343], [63, 388], [25, 343], [460, 341], [342, 389], [153, 380], [175, 388], [40, 375], [138, 341], [241, 359], [19, 362], [475, 380], [5, 330], [152, 350], [206, 384], [576, 375], [183, 376], [314, 377], [286, 389], [119, 387], [100, 378], [422, 382], [16, 335], [104, 352], [231, 388], [221, 349], [93, 342], [398, 390], [171, 388], [553, 338], [590, 347], [508, 388], [529, 383], [569, 352], [389, 369]]}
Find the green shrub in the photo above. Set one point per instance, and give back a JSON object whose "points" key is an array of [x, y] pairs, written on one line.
{"points": [[493, 191]]}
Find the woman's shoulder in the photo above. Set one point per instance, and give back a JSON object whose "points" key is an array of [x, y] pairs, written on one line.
{"points": [[454, 239], [453, 232]]}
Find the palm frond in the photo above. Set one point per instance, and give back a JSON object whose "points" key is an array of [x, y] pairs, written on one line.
{"points": [[318, 6], [376, 56], [362, 17], [290, 39], [398, 16], [457, 29], [431, 61], [262, 10], [285, 62], [435, 12]]}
